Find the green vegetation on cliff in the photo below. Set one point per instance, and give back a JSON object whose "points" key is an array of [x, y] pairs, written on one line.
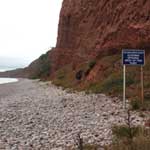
{"points": [[42, 68]]}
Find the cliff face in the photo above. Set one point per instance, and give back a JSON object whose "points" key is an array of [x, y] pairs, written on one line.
{"points": [[92, 34], [91, 27], [97, 30]]}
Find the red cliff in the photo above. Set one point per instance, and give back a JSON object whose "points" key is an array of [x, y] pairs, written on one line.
{"points": [[92, 27], [91, 35], [96, 31]]}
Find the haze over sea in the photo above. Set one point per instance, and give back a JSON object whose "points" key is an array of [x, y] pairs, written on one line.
{"points": [[7, 80], [11, 63]]}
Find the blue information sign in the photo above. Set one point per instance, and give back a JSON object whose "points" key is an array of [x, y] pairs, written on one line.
{"points": [[133, 57]]}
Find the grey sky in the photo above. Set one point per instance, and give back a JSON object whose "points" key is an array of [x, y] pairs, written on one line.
{"points": [[28, 28]]}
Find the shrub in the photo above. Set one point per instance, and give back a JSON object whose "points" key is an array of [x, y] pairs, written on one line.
{"points": [[147, 95], [140, 140], [90, 147], [60, 75], [41, 67], [147, 85], [114, 83], [125, 131], [128, 137], [91, 64], [135, 104], [45, 65]]}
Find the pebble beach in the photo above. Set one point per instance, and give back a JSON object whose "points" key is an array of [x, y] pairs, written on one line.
{"points": [[38, 115]]}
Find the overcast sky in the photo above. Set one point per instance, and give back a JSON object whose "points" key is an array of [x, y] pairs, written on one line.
{"points": [[28, 28]]}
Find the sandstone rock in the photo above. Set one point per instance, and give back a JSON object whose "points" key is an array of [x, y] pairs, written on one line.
{"points": [[105, 26], [92, 29]]}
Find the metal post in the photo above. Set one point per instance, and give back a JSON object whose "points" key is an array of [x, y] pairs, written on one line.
{"points": [[142, 85], [124, 86]]}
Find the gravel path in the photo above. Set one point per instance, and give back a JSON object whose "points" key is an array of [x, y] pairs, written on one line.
{"points": [[39, 116]]}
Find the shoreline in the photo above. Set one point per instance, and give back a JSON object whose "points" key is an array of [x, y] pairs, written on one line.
{"points": [[4, 80], [37, 114]]}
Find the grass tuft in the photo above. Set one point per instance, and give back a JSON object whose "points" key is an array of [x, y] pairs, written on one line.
{"points": [[140, 139]]}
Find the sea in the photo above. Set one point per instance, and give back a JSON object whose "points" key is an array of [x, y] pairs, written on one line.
{"points": [[7, 80]]}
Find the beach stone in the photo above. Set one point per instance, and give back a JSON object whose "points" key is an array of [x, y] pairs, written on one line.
{"points": [[39, 115]]}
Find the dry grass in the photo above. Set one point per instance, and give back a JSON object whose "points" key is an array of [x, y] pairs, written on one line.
{"points": [[139, 143], [140, 139]]}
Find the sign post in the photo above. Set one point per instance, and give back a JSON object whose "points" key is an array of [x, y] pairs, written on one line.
{"points": [[142, 85], [132, 58], [124, 86]]}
